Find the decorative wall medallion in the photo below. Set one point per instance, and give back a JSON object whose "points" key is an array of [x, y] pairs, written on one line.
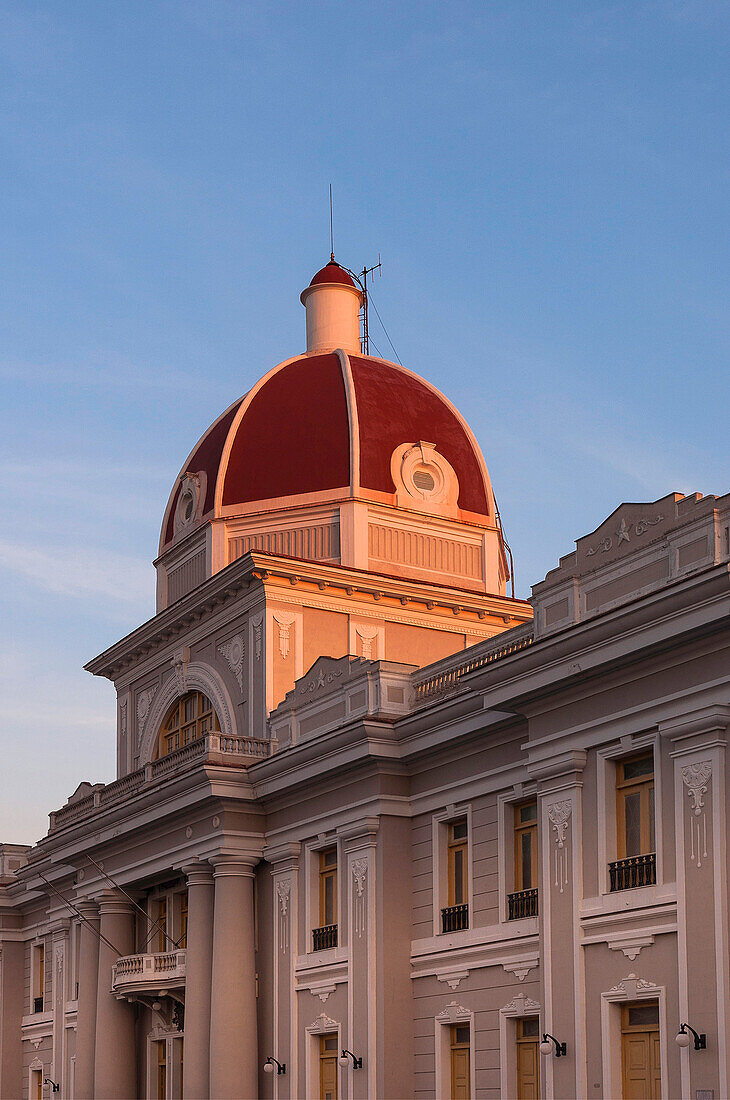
{"points": [[234, 651], [368, 642], [189, 831], [190, 500], [285, 623], [695, 778], [359, 873], [216, 822], [283, 890], [257, 625], [144, 702], [559, 813]]}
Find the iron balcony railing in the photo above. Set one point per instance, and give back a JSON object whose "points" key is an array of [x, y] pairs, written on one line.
{"points": [[455, 918], [324, 938], [523, 903], [37, 1004], [635, 871]]}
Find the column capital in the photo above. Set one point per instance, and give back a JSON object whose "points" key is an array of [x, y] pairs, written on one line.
{"points": [[112, 902], [360, 833], [565, 767], [233, 864], [88, 908], [198, 873], [697, 728], [287, 854]]}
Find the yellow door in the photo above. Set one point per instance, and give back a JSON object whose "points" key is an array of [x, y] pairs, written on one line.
{"points": [[460, 1059], [640, 1051], [328, 1067], [528, 1059]]}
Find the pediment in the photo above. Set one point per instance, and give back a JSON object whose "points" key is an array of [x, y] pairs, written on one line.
{"points": [[629, 527]]}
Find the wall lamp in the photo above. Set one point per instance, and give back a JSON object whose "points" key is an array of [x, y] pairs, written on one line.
{"points": [[343, 1060], [54, 1086], [683, 1037], [271, 1062], [561, 1049]]}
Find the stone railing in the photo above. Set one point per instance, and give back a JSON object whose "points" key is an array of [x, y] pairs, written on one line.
{"points": [[139, 972], [214, 748], [451, 671]]}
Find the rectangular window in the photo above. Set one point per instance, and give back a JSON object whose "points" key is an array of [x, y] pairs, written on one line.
{"points": [[183, 937], [325, 936], [159, 938], [640, 1050], [161, 1070], [328, 1053], [528, 1058], [39, 976], [526, 846], [458, 870], [460, 1062], [635, 806]]}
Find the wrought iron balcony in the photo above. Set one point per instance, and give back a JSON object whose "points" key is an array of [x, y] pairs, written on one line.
{"points": [[455, 918], [635, 871], [523, 903], [324, 938], [37, 1004], [139, 973]]}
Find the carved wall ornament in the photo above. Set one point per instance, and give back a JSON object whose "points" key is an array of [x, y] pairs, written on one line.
{"points": [[123, 720], [283, 890], [179, 663], [453, 1013], [359, 873], [521, 1006], [234, 652], [368, 641], [322, 1024], [559, 814], [604, 546], [320, 680], [144, 702], [257, 625], [695, 778], [285, 623], [623, 534], [632, 987], [453, 978]]}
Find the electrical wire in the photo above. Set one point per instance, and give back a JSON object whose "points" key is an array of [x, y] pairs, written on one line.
{"points": [[372, 303]]}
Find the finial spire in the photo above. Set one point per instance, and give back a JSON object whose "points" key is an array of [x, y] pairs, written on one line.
{"points": [[332, 233]]}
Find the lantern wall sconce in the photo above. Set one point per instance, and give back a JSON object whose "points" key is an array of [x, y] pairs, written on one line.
{"points": [[344, 1059], [271, 1062], [546, 1046], [683, 1037], [54, 1086]]}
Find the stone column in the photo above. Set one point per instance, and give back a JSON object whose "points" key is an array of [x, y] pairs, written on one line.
{"points": [[560, 783], [115, 1064], [88, 971], [198, 981], [12, 1008], [233, 1030]]}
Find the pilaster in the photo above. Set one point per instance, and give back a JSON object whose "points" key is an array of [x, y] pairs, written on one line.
{"points": [[284, 861], [198, 981]]}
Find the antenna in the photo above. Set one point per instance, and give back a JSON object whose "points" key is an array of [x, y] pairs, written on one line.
{"points": [[332, 234], [363, 280]]}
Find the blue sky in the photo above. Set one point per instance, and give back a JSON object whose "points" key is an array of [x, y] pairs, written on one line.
{"points": [[547, 185]]}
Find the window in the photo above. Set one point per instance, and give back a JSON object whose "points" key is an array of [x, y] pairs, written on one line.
{"points": [[523, 902], [189, 718], [328, 1052], [460, 1059], [455, 917], [636, 842], [158, 940], [161, 1070], [183, 938], [326, 935], [640, 1050], [39, 976], [528, 1058]]}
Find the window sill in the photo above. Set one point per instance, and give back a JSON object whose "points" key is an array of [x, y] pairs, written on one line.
{"points": [[621, 901]]}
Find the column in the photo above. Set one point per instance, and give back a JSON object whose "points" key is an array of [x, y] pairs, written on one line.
{"points": [[560, 783], [233, 1030], [88, 971], [12, 974], [198, 981], [115, 1064]]}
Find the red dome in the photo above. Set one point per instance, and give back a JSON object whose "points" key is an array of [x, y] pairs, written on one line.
{"points": [[329, 424], [332, 273]]}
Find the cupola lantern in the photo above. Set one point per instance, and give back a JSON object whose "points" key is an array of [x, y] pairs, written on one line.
{"points": [[332, 301]]}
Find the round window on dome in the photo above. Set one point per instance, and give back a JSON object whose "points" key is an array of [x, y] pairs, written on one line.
{"points": [[188, 503], [424, 480]]}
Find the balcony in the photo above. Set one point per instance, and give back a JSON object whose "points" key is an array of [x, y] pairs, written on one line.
{"points": [[455, 918], [149, 973], [521, 904], [324, 938], [633, 872]]}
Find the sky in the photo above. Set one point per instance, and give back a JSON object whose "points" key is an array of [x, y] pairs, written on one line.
{"points": [[547, 186]]}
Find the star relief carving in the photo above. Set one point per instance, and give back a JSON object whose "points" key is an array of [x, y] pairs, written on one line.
{"points": [[623, 533]]}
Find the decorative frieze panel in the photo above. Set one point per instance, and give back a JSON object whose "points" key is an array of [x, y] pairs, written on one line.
{"points": [[319, 543], [185, 577], [559, 815], [234, 652], [360, 874], [696, 778], [283, 892], [368, 636], [425, 551], [285, 622]]}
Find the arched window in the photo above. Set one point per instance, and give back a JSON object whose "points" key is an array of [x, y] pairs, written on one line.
{"points": [[190, 717]]}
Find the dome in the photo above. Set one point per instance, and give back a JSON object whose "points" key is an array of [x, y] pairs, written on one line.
{"points": [[323, 423], [340, 457]]}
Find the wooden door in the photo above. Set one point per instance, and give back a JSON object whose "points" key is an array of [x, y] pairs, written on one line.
{"points": [[528, 1059], [328, 1051], [460, 1062], [640, 1051]]}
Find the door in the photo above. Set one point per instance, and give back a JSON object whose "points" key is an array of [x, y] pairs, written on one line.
{"points": [[528, 1058], [640, 1051], [328, 1051], [460, 1062]]}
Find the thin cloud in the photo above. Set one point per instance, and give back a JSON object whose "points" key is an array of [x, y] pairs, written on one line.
{"points": [[79, 572]]}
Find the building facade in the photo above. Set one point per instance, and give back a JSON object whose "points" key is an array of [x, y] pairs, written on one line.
{"points": [[379, 828]]}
